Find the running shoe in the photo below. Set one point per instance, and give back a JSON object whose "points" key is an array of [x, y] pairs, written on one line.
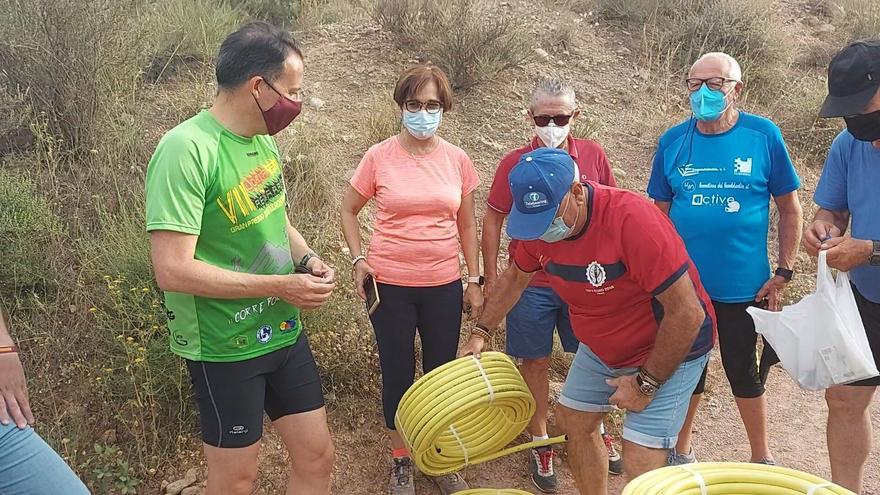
{"points": [[541, 468], [450, 483], [402, 477], [675, 458], [615, 461]]}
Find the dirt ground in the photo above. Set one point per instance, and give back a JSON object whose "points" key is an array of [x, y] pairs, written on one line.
{"points": [[353, 64], [796, 427]]}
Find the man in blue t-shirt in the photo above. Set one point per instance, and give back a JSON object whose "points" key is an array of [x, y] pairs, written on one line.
{"points": [[849, 189], [714, 175]]}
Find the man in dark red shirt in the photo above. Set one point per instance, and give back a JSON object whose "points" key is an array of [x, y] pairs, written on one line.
{"points": [[636, 304], [530, 324]]}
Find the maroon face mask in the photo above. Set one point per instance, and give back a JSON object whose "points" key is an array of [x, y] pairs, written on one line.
{"points": [[281, 114]]}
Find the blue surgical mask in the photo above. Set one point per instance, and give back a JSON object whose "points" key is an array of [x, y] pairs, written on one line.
{"points": [[558, 230], [708, 104], [421, 124]]}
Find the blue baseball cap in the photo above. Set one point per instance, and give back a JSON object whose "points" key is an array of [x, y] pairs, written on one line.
{"points": [[538, 183]]}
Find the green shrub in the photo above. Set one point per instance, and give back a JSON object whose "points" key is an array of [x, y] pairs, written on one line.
{"points": [[144, 385], [464, 37], [298, 15], [187, 31], [29, 230], [67, 55], [123, 246], [277, 12]]}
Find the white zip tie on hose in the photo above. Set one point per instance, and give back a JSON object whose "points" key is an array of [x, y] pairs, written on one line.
{"points": [[485, 379], [813, 489], [731, 477], [460, 444], [704, 490], [466, 412]]}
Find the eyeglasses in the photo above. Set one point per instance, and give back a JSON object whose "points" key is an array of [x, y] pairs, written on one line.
{"points": [[430, 106], [713, 83], [544, 120]]}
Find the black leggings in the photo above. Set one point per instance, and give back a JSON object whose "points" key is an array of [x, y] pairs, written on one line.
{"points": [[436, 312]]}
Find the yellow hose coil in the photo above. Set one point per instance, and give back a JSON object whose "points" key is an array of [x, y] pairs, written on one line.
{"points": [[465, 412], [493, 491], [730, 478]]}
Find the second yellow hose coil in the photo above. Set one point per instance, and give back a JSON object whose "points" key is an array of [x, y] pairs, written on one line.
{"points": [[730, 478], [464, 413]]}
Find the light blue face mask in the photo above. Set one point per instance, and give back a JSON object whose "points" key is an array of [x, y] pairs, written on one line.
{"points": [[421, 124], [708, 104], [558, 230]]}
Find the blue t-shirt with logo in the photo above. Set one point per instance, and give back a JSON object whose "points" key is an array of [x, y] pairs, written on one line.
{"points": [[851, 181], [720, 187]]}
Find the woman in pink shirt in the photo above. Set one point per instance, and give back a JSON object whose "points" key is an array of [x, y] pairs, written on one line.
{"points": [[423, 188]]}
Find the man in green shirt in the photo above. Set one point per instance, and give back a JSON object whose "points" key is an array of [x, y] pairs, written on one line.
{"points": [[236, 273]]}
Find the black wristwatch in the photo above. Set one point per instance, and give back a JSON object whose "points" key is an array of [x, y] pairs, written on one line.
{"points": [[308, 257], [875, 254], [479, 280], [785, 273]]}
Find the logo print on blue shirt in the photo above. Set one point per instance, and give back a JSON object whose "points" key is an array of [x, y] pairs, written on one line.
{"points": [[690, 170], [742, 167], [689, 186]]}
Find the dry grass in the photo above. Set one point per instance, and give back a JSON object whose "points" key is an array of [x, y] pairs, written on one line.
{"points": [[676, 32], [857, 19], [465, 37]]}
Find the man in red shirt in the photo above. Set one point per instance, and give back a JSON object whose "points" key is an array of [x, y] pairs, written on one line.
{"points": [[636, 304], [530, 324]]}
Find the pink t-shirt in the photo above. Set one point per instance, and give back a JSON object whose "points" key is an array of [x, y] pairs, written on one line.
{"points": [[415, 237]]}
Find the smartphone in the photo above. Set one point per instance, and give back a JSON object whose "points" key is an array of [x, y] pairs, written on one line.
{"points": [[372, 292]]}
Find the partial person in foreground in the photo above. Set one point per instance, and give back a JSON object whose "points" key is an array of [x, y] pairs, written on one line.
{"points": [[236, 273], [530, 325], [423, 188], [637, 306], [28, 465], [848, 192], [714, 175]]}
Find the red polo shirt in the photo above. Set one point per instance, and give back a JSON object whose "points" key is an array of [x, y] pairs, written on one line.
{"points": [[612, 271], [590, 159]]}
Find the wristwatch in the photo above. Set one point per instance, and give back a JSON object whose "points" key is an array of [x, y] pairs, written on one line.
{"points": [[480, 280], [308, 257], [875, 254], [645, 387], [785, 273]]}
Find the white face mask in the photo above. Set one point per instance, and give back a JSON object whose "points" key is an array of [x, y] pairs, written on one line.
{"points": [[551, 135]]}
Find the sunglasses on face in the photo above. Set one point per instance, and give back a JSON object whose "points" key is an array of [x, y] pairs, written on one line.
{"points": [[559, 120]]}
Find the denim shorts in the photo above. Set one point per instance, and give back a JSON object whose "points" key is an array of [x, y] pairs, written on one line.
{"points": [[531, 322], [655, 427], [29, 466]]}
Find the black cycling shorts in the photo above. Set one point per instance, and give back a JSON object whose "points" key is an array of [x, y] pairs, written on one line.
{"points": [[870, 313], [231, 397], [746, 370]]}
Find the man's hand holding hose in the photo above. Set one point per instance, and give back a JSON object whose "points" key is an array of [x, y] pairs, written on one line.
{"points": [[501, 300]]}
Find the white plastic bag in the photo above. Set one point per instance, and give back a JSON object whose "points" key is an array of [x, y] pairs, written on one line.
{"points": [[820, 340]]}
